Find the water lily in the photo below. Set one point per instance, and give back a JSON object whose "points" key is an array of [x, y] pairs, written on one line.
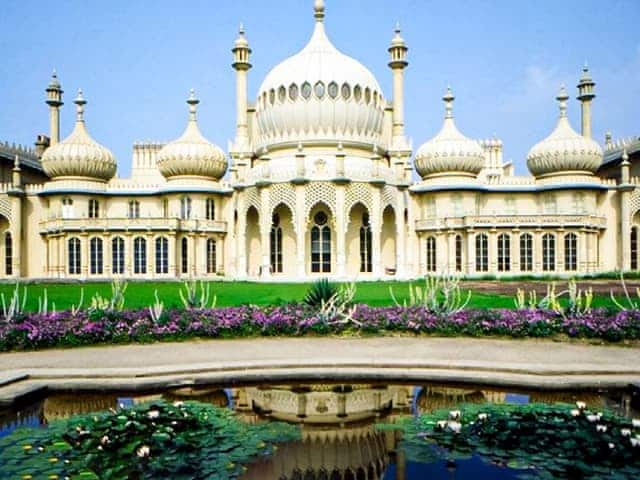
{"points": [[575, 412], [635, 442], [178, 403], [626, 432], [153, 414], [482, 416], [581, 405], [455, 414], [442, 424], [592, 418], [455, 427], [601, 428], [104, 440], [143, 451], [611, 445], [635, 422]]}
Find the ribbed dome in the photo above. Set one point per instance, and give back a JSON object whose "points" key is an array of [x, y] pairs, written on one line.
{"points": [[192, 155], [319, 93], [565, 150], [449, 151], [79, 155]]}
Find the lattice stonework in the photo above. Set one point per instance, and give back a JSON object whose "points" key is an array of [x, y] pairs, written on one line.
{"points": [[390, 197], [319, 192], [5, 207], [283, 194], [358, 193], [634, 203], [251, 199]]}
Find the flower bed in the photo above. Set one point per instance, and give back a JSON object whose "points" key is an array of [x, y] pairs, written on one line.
{"points": [[31, 331]]}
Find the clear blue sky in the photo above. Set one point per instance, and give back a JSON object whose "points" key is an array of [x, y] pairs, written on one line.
{"points": [[136, 61]]}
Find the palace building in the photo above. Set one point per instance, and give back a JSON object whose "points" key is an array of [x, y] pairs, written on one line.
{"points": [[320, 181]]}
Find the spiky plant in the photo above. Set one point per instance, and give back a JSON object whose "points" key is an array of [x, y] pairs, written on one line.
{"points": [[320, 292]]}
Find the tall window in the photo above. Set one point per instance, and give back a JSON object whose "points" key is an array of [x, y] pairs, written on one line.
{"points": [[95, 256], [504, 252], [162, 255], [482, 253], [8, 254], [634, 248], [117, 255], [211, 256], [366, 264], [184, 255], [430, 263], [458, 253], [94, 208], [210, 209], [67, 208], [548, 252], [165, 208], [526, 252], [320, 244], [139, 255], [134, 209], [570, 252], [185, 208], [275, 240], [74, 256]]}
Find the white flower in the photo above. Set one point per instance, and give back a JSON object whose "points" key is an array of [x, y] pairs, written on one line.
{"points": [[601, 428], [635, 422], [482, 416], [592, 418], [611, 445], [178, 404], [575, 412], [626, 432], [581, 405], [153, 414], [100, 447], [104, 440], [455, 414], [455, 427], [143, 451], [635, 442], [599, 415], [442, 424]]}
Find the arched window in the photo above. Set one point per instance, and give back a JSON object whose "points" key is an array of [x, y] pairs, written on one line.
{"points": [[162, 255], [570, 252], [366, 264], [95, 256], [430, 263], [94, 208], [482, 253], [74, 256], [526, 252], [320, 244], [548, 252], [634, 248], [134, 209], [8, 254], [185, 208], [184, 255], [211, 256], [275, 240], [139, 255], [117, 255], [504, 252], [67, 208], [210, 209], [458, 253]]}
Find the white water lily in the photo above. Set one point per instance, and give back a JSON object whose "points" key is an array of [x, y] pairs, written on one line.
{"points": [[143, 451], [575, 412], [104, 440], [635, 422], [581, 405], [455, 427], [455, 414], [442, 424], [482, 416], [601, 428], [592, 418], [635, 442], [611, 445], [626, 432], [153, 414], [178, 403]]}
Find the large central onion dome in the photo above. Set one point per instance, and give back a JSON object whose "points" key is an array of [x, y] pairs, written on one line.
{"points": [[319, 94], [565, 151], [192, 155], [79, 156], [449, 152]]}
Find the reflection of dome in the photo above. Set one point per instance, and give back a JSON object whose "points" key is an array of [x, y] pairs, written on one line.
{"points": [[564, 150], [319, 93], [192, 155], [79, 155], [449, 152]]}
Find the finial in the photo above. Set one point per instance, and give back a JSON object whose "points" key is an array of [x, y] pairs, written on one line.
{"points": [[193, 102], [397, 30], [340, 146], [80, 103], [299, 147], [241, 29], [318, 9], [562, 100], [625, 156], [448, 102]]}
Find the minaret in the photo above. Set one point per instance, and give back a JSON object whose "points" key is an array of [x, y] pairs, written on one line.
{"points": [[54, 100], [240, 150], [586, 95], [398, 51]]}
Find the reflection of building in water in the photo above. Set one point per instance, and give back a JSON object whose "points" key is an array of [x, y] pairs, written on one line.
{"points": [[29, 416], [339, 438], [214, 396], [430, 398], [60, 406]]}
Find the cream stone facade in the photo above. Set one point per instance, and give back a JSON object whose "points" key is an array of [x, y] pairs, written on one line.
{"points": [[320, 181]]}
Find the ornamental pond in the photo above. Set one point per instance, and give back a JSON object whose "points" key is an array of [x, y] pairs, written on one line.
{"points": [[340, 424]]}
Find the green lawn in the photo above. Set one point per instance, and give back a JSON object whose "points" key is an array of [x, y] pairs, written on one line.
{"points": [[141, 294]]}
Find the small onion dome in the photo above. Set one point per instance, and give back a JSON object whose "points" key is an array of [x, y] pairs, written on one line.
{"points": [[241, 41], [79, 155], [564, 150], [192, 155], [449, 152]]}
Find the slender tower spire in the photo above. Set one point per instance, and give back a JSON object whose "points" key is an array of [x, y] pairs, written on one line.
{"points": [[586, 95], [54, 100], [318, 10], [241, 53]]}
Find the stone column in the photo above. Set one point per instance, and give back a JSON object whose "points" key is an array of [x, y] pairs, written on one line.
{"points": [[172, 254], [624, 257], [515, 250], [583, 263], [376, 232], [560, 250], [492, 251], [265, 230], [241, 248], [401, 240], [537, 251], [471, 251], [340, 229], [16, 235], [451, 252]]}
